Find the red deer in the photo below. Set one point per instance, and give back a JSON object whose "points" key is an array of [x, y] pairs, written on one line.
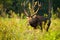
{"points": [[35, 20]]}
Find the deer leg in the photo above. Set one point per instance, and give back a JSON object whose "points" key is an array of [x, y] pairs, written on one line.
{"points": [[48, 25], [35, 28], [45, 24], [41, 25]]}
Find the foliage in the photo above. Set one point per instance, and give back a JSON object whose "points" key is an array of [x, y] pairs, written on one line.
{"points": [[17, 29], [16, 6]]}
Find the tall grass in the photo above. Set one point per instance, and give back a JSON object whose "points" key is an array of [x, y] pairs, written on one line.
{"points": [[18, 29]]}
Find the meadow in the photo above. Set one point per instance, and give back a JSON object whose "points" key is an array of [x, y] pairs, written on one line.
{"points": [[18, 29]]}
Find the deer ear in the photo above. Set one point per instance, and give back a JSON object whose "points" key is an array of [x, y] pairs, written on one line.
{"points": [[34, 16], [27, 17]]}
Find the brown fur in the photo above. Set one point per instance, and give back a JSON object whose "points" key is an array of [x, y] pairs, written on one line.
{"points": [[38, 21]]}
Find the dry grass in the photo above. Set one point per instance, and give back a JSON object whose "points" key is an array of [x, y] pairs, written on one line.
{"points": [[17, 29]]}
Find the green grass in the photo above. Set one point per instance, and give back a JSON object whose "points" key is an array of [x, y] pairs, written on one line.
{"points": [[17, 29]]}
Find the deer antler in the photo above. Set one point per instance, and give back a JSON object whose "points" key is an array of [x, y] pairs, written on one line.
{"points": [[39, 5], [31, 8], [26, 13], [35, 4]]}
